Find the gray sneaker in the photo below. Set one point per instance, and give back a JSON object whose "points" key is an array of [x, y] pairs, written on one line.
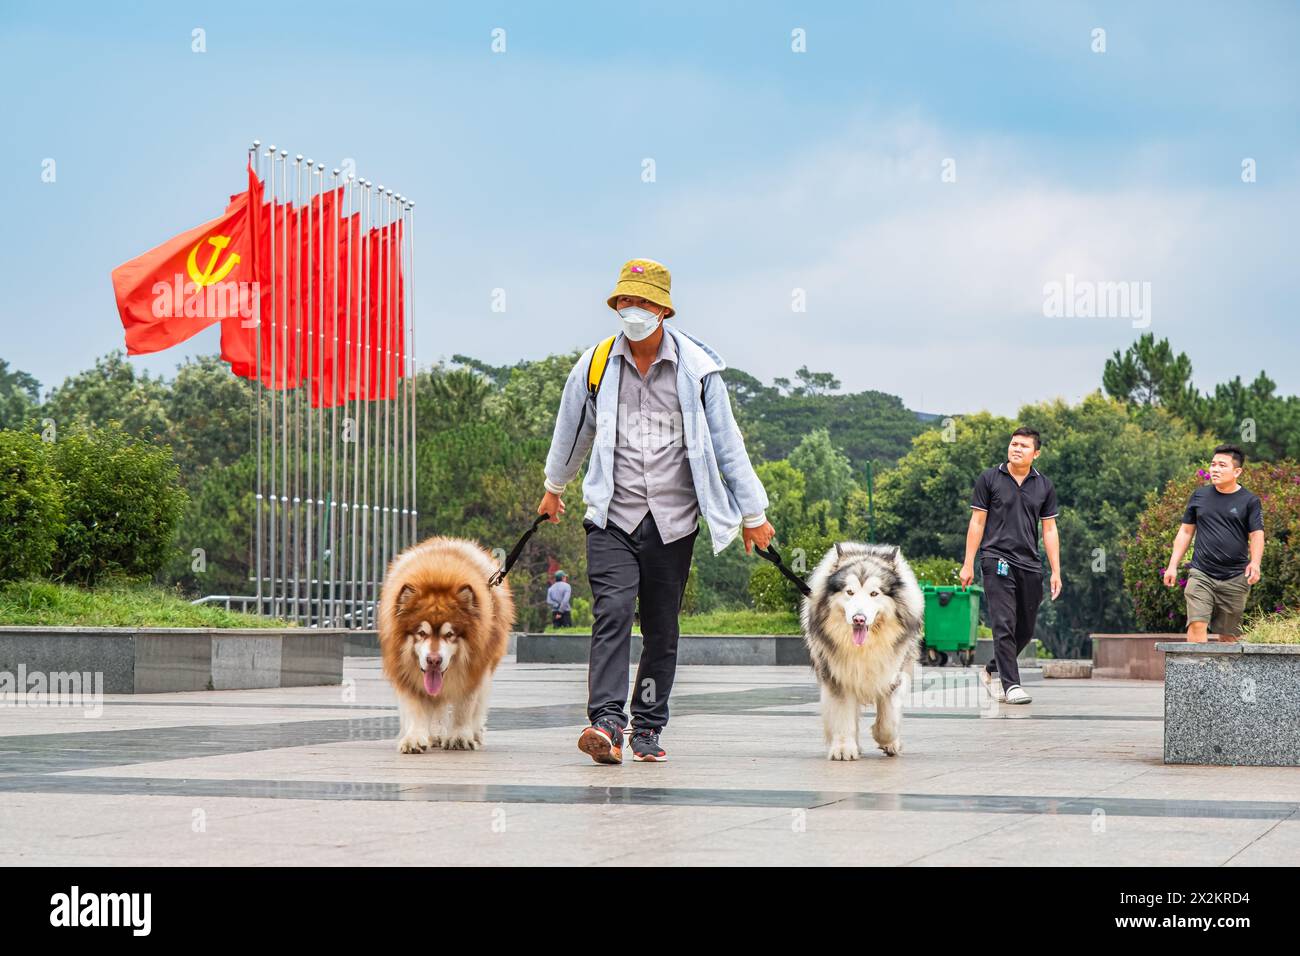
{"points": [[1016, 695]]}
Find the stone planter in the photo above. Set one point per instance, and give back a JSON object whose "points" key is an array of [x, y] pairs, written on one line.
{"points": [[1132, 656], [719, 649], [1065, 668], [1232, 704], [131, 660]]}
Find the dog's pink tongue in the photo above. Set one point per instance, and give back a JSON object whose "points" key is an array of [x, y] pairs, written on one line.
{"points": [[433, 680], [859, 634]]}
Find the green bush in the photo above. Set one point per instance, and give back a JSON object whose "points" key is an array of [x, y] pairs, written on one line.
{"points": [[935, 570], [122, 500], [582, 615], [31, 506], [1158, 608]]}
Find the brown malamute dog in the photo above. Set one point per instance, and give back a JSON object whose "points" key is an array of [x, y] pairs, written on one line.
{"points": [[442, 632]]}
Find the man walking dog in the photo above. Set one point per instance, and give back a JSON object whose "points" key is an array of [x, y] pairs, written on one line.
{"points": [[652, 403], [1006, 506]]}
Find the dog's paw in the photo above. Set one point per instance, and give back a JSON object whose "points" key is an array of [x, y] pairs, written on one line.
{"points": [[843, 748], [413, 744], [891, 748], [461, 741]]}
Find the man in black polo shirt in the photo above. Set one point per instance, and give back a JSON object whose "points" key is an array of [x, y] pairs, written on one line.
{"points": [[1228, 524], [1006, 506]]}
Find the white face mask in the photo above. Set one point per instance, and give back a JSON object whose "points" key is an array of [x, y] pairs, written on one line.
{"points": [[638, 323]]}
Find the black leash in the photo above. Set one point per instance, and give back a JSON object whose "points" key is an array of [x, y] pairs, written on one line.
{"points": [[500, 574], [771, 554]]}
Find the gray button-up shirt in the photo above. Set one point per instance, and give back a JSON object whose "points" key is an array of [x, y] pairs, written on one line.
{"points": [[651, 471]]}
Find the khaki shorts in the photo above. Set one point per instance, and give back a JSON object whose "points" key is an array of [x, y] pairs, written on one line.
{"points": [[1220, 604]]}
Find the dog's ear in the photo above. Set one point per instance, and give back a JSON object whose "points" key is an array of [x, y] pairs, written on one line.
{"points": [[466, 597], [404, 597], [839, 553], [896, 554]]}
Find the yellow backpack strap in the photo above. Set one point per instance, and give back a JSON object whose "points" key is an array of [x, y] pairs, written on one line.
{"points": [[599, 359], [595, 372]]}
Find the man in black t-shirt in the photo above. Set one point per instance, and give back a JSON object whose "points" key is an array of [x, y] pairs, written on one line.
{"points": [[1228, 525], [1006, 506]]}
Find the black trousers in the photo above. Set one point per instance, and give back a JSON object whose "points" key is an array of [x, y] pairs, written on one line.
{"points": [[562, 618], [1013, 601], [623, 567]]}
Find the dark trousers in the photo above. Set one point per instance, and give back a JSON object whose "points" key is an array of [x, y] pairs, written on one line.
{"points": [[1013, 601], [562, 618], [623, 567]]}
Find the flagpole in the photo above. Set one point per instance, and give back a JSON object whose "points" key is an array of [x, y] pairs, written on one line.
{"points": [[354, 386], [272, 504], [255, 161], [366, 253], [395, 374], [377, 390], [309, 501], [415, 379], [285, 293], [395, 378], [385, 300], [334, 405], [318, 344], [294, 541]]}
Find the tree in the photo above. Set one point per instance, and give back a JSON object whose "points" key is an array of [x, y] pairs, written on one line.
{"points": [[20, 396], [210, 415], [865, 426], [122, 500], [451, 397], [815, 383], [112, 391], [923, 503], [526, 405], [828, 475], [1149, 373], [218, 521], [1266, 425]]}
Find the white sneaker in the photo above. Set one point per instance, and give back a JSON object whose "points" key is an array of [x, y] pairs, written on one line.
{"points": [[992, 684], [1016, 695]]}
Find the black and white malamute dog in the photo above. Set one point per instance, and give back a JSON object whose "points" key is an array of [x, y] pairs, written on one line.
{"points": [[863, 625]]}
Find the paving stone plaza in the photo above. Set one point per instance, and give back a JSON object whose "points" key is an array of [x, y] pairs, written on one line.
{"points": [[311, 776]]}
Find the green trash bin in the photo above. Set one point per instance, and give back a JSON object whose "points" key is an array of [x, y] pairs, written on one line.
{"points": [[952, 617]]}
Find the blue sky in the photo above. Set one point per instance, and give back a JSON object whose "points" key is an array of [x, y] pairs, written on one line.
{"points": [[775, 171]]}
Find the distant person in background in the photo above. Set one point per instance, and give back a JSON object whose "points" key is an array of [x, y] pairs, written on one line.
{"points": [[558, 596], [1228, 524]]}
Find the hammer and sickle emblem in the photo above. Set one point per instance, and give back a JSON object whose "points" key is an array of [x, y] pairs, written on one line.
{"points": [[207, 276]]}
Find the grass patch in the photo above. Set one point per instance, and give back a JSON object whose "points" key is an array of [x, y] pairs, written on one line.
{"points": [[1274, 629], [722, 623], [113, 604]]}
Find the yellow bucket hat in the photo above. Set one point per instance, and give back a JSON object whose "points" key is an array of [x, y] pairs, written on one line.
{"points": [[647, 279]]}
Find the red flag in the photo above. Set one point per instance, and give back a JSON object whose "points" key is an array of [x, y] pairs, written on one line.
{"points": [[276, 326], [184, 285], [385, 312], [238, 334]]}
